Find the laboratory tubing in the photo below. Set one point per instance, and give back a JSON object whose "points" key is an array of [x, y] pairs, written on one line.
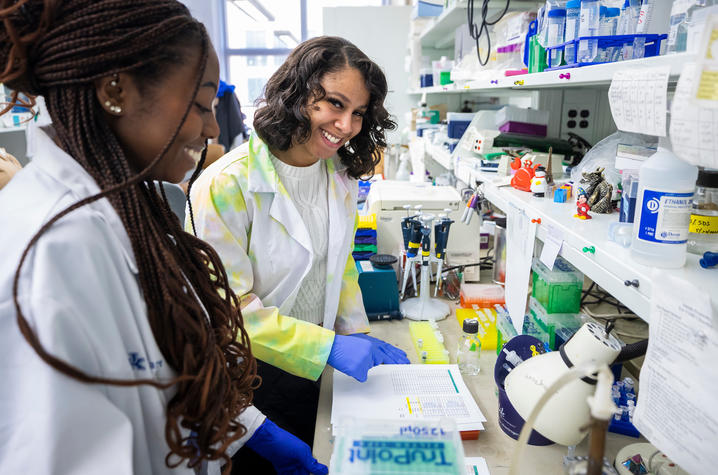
{"points": [[589, 23], [467, 354], [703, 230], [556, 28], [573, 13], [663, 207]]}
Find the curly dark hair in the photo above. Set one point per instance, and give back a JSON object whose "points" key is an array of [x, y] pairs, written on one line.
{"points": [[58, 49], [282, 120]]}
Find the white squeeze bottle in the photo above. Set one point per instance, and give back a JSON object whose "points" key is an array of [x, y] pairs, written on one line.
{"points": [[663, 208]]}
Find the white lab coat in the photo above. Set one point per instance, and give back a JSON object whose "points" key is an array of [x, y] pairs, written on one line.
{"points": [[242, 209], [80, 293]]}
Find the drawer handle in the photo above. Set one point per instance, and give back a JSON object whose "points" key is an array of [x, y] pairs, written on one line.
{"points": [[589, 249], [519, 82], [631, 283], [536, 220]]}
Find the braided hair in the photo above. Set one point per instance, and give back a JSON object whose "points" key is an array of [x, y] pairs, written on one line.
{"points": [[57, 49]]}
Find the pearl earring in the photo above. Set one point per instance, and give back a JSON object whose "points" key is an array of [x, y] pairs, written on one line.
{"points": [[108, 103], [116, 109]]}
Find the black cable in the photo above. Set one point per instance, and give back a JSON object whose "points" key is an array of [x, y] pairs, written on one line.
{"points": [[477, 32]]}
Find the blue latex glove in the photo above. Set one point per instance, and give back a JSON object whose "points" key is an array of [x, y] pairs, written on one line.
{"points": [[288, 454], [383, 352], [352, 356]]}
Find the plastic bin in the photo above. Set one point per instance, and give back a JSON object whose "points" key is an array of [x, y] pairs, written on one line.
{"points": [[536, 130], [458, 122], [519, 114], [558, 290], [427, 8], [652, 47], [365, 446], [547, 324], [481, 295]]}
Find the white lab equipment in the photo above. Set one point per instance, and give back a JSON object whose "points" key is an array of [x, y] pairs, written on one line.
{"points": [[573, 14], [564, 416], [556, 28], [663, 207], [588, 26], [387, 199]]}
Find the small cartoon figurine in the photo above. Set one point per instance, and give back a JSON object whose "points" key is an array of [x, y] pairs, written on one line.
{"points": [[539, 186], [582, 207], [525, 171]]}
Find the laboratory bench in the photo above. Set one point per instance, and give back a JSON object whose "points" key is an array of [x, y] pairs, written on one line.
{"points": [[493, 444]]}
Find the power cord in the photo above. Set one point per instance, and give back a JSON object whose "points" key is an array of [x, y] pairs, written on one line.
{"points": [[477, 32]]}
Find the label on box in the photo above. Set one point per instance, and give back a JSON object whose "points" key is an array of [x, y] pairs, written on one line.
{"points": [[665, 217], [366, 266]]}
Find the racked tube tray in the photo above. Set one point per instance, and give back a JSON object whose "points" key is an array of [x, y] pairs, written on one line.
{"points": [[386, 447]]}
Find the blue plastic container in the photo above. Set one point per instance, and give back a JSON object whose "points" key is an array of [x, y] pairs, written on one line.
{"points": [[652, 45]]}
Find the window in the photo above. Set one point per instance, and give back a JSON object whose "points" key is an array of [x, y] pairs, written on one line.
{"points": [[259, 35]]}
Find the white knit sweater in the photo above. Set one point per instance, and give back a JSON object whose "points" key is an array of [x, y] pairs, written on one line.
{"points": [[307, 187]]}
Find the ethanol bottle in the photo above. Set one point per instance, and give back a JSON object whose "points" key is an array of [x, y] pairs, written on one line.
{"points": [[663, 208]]}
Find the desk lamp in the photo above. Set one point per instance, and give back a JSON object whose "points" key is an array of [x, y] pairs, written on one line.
{"points": [[566, 414]]}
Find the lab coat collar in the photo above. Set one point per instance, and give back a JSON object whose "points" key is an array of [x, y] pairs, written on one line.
{"points": [[69, 173], [263, 178]]}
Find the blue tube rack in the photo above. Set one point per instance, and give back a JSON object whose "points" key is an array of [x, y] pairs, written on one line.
{"points": [[652, 47]]}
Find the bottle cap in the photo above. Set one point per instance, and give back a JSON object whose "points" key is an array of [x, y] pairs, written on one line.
{"points": [[707, 178], [471, 325]]}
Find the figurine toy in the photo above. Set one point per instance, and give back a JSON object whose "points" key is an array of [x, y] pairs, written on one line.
{"points": [[582, 207], [525, 171], [539, 185], [598, 191]]}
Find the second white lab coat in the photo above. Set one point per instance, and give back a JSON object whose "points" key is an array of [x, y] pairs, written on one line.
{"points": [[80, 293]]}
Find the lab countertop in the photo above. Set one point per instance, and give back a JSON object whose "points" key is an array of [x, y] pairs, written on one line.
{"points": [[493, 444]]}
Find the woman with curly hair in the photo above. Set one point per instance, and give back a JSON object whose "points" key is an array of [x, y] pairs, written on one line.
{"points": [[122, 347], [281, 213]]}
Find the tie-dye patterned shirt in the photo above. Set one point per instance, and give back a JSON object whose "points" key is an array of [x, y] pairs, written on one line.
{"points": [[242, 209]]}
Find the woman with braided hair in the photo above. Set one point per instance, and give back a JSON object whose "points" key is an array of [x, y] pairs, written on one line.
{"points": [[122, 347]]}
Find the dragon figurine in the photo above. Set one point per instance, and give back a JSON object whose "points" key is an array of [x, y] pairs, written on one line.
{"points": [[598, 190]]}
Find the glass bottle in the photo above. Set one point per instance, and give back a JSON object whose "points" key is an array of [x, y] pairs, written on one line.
{"points": [[703, 230], [467, 354]]}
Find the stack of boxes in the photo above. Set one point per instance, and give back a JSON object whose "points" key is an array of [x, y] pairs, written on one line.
{"points": [[554, 303], [365, 238]]}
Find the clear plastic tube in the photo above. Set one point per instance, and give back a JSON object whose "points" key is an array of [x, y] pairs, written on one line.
{"points": [[589, 26]]}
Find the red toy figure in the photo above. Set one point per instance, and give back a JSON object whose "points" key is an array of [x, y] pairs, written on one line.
{"points": [[525, 171], [582, 208]]}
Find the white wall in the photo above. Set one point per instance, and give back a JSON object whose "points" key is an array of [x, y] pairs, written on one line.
{"points": [[209, 12], [382, 34]]}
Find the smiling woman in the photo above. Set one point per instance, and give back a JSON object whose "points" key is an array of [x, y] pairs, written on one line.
{"points": [[116, 326], [281, 212]]}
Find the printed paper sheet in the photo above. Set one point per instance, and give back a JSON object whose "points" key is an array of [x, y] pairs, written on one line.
{"points": [[676, 409], [408, 392], [694, 126], [638, 100], [520, 235]]}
